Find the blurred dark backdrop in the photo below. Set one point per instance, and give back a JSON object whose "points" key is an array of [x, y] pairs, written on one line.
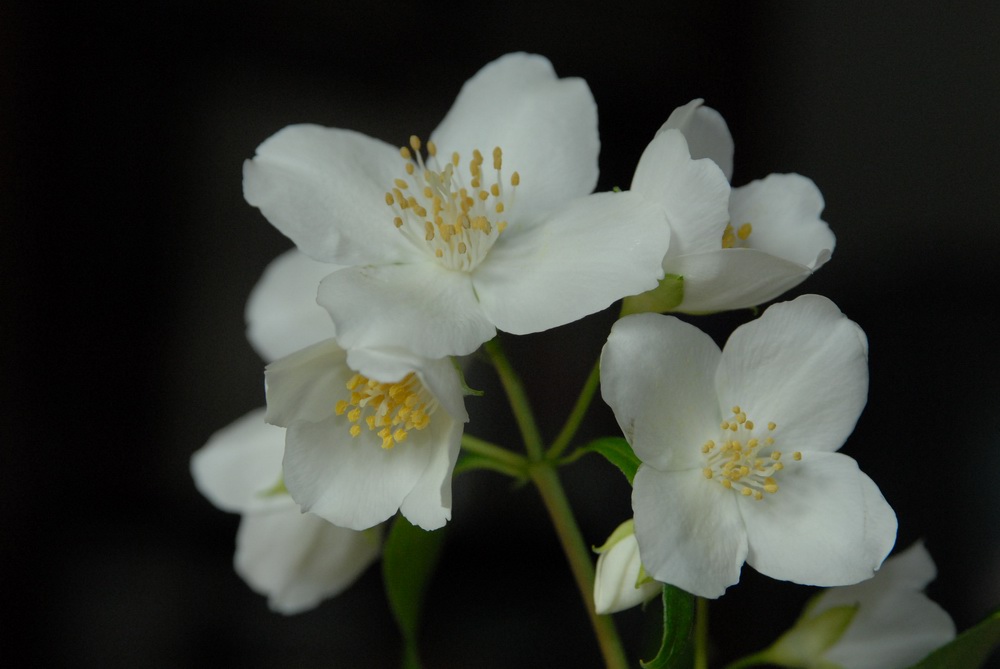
{"points": [[128, 252]]}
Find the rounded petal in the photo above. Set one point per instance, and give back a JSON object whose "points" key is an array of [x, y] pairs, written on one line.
{"points": [[239, 463], [656, 375], [594, 251], [689, 531], [616, 578], [297, 560], [281, 314], [429, 503], [725, 279], [802, 365], [352, 481], [826, 525], [305, 385], [421, 307], [545, 126], [325, 189], [693, 193], [706, 133], [784, 212]]}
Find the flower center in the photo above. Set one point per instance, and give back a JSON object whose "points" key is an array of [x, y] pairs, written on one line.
{"points": [[741, 461], [736, 237], [391, 409], [436, 210]]}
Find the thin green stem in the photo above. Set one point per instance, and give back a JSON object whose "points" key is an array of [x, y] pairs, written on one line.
{"points": [[518, 400], [579, 411], [701, 633], [544, 475], [493, 452]]}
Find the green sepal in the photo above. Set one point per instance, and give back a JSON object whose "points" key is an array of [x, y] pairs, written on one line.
{"points": [[409, 557], [665, 297], [618, 452], [677, 645], [277, 489], [466, 390], [810, 637], [968, 650]]}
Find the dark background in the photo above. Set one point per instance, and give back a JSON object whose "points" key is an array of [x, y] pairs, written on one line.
{"points": [[128, 252]]}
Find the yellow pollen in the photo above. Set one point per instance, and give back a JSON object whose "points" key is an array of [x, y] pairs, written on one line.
{"points": [[390, 410], [796, 455], [452, 209], [744, 231], [739, 461], [772, 426]]}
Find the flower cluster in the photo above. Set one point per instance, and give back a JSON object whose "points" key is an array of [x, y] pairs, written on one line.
{"points": [[408, 257]]}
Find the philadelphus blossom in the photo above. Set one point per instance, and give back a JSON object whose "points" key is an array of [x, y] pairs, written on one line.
{"points": [[883, 623], [369, 432], [295, 559], [620, 582], [767, 240], [737, 448], [487, 225]]}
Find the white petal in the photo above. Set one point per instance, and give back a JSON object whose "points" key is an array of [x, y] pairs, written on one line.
{"points": [[784, 212], [803, 365], [298, 560], [281, 314], [305, 385], [656, 375], [689, 531], [596, 250], [693, 193], [826, 525], [706, 133], [615, 578], [354, 482], [429, 503], [545, 126], [325, 189], [422, 307], [239, 463], [724, 279]]}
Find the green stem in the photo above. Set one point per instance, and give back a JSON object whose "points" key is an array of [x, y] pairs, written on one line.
{"points": [[518, 400], [701, 634], [579, 411], [494, 452], [544, 475]]}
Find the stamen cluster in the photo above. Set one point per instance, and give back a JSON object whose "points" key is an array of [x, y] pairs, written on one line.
{"points": [[433, 206], [732, 237], [738, 461], [393, 409]]}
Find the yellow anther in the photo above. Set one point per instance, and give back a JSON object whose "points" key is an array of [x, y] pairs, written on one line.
{"points": [[355, 430], [797, 455], [462, 248], [772, 426], [340, 407], [741, 418], [400, 435], [748, 425], [724, 425], [728, 238], [736, 409], [495, 190], [758, 495], [405, 152], [397, 221], [515, 179], [355, 381], [744, 231], [483, 195], [389, 200], [726, 483], [431, 148], [428, 230], [497, 158], [707, 472], [400, 184], [455, 159], [501, 226], [769, 441], [775, 455], [414, 142], [438, 253], [499, 207], [354, 414], [410, 169], [477, 157], [746, 492]]}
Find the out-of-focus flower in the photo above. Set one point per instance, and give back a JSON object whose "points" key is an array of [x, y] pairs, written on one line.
{"points": [[620, 582], [297, 560], [369, 432], [769, 240], [737, 448], [886, 622], [439, 251]]}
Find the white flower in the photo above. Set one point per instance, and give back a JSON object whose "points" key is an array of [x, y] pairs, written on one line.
{"points": [[493, 228], [369, 432], [891, 623], [295, 559], [769, 239], [620, 582], [737, 448]]}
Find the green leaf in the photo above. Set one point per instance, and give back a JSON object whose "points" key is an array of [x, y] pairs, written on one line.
{"points": [[617, 451], [408, 560], [968, 650], [677, 646]]}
